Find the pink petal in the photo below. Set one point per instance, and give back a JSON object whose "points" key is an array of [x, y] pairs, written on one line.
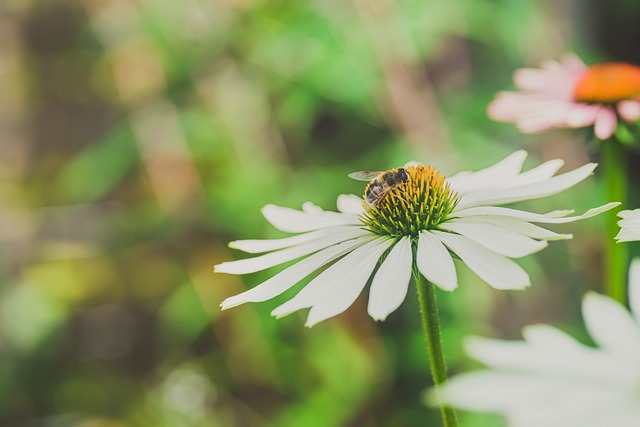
{"points": [[606, 123], [554, 80], [574, 65], [546, 100], [629, 110], [529, 78], [535, 80], [561, 70], [553, 116], [535, 125], [552, 66], [508, 106], [582, 115]]}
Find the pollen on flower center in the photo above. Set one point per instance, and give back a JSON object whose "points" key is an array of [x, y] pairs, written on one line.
{"points": [[419, 204], [608, 83]]}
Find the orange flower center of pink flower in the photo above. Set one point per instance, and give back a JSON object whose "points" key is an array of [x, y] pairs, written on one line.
{"points": [[608, 83]]}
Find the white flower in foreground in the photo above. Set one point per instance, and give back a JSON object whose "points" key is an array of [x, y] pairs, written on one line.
{"points": [[629, 226], [551, 380], [427, 221]]}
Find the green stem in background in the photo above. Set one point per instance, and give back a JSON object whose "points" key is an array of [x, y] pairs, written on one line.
{"points": [[431, 328], [614, 165]]}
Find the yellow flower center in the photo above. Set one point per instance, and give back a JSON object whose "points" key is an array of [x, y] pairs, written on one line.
{"points": [[407, 208], [608, 83]]}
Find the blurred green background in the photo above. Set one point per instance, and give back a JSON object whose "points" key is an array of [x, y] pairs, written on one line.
{"points": [[138, 137]]}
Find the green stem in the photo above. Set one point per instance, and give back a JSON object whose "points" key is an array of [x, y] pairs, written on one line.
{"points": [[431, 328], [615, 181]]}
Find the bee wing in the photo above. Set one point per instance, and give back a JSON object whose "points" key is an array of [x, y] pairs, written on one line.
{"points": [[364, 175]]}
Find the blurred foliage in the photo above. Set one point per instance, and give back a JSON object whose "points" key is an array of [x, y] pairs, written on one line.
{"points": [[138, 137]]}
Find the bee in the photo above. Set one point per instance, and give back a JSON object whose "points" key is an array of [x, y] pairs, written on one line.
{"points": [[380, 183]]}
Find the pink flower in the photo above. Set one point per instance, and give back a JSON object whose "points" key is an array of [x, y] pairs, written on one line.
{"points": [[568, 94]]}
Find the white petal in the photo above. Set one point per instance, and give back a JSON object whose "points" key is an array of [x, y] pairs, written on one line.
{"points": [[588, 214], [574, 363], [629, 226], [507, 168], [251, 265], [481, 391], [413, 163], [294, 221], [535, 401], [259, 246], [560, 404], [629, 214], [547, 337], [435, 262], [391, 282], [631, 222], [611, 325], [292, 275], [350, 204], [552, 402], [626, 235], [508, 212], [311, 208], [513, 224], [539, 173], [629, 416], [536, 190], [498, 271], [500, 240], [500, 354], [335, 289], [487, 391], [634, 288], [632, 225], [555, 217]]}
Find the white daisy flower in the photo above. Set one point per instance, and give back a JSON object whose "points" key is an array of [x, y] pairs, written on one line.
{"points": [[551, 380], [629, 226], [428, 220]]}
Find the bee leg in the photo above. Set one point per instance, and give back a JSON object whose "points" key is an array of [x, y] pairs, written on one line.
{"points": [[407, 194]]}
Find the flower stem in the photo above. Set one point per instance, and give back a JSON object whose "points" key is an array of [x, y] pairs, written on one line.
{"points": [[615, 181], [431, 328]]}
